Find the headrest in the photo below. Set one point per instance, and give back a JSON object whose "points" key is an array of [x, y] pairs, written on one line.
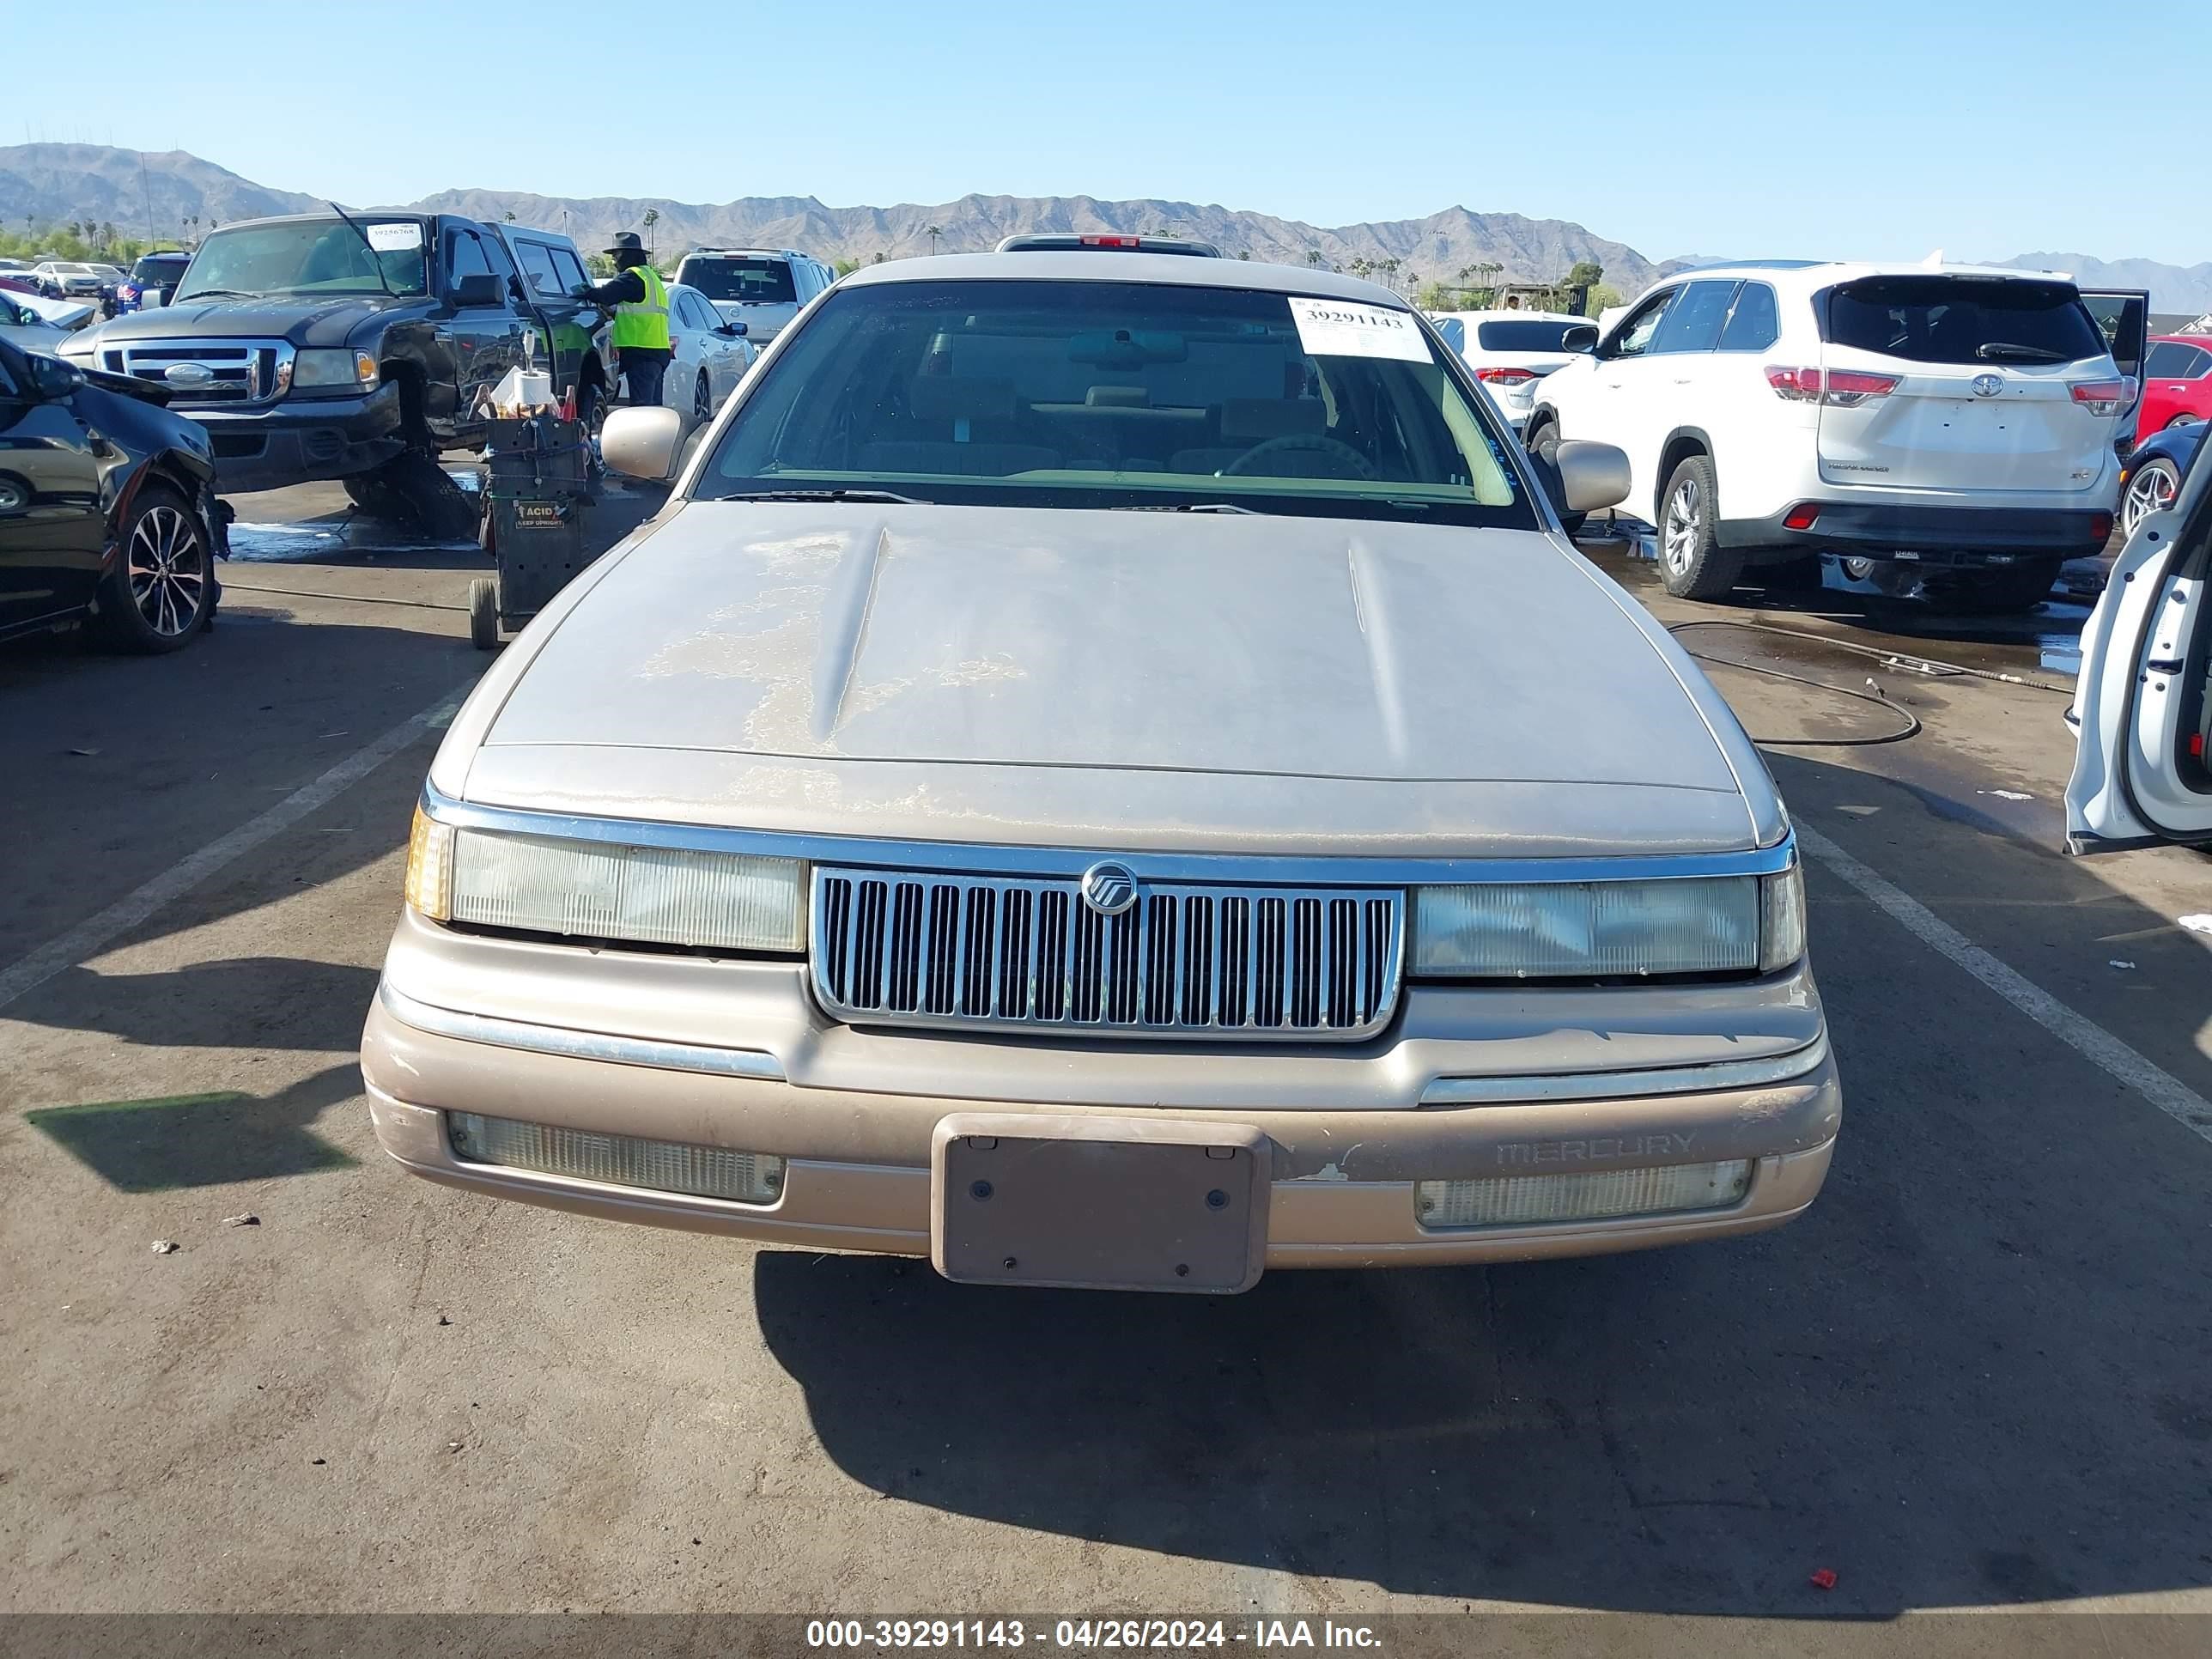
{"points": [[1271, 418], [1118, 397], [948, 397]]}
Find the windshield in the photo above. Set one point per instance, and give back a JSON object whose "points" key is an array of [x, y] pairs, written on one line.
{"points": [[1098, 393], [1963, 320], [310, 256], [756, 282], [161, 267]]}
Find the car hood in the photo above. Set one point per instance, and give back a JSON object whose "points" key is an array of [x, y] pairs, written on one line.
{"points": [[1055, 674], [303, 321]]}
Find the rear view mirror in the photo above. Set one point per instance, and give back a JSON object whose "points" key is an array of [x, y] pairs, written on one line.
{"points": [[641, 443], [1592, 476], [1581, 338], [479, 290], [1123, 349], [51, 377]]}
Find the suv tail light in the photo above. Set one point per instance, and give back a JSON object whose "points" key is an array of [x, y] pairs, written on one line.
{"points": [[2105, 396], [1112, 241], [1803, 516], [1505, 376], [1841, 388]]}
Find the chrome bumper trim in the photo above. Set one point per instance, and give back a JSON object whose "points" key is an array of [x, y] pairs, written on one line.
{"points": [[579, 1045], [1600, 1085]]}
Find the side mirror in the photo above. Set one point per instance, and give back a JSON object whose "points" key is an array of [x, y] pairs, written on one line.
{"points": [[1592, 476], [741, 329], [479, 290], [1580, 338], [51, 378], [641, 443]]}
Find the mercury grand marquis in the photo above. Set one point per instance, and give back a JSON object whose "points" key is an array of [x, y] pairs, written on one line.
{"points": [[1108, 773]]}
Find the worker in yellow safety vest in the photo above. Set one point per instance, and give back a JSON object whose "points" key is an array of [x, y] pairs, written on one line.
{"points": [[638, 296]]}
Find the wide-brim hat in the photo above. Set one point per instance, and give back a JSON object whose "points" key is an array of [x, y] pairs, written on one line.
{"points": [[626, 241]]}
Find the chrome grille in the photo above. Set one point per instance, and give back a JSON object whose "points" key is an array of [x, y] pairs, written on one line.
{"points": [[900, 947], [239, 371]]}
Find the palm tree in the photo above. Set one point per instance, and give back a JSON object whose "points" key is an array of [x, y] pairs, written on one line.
{"points": [[934, 233], [1314, 257], [652, 218]]}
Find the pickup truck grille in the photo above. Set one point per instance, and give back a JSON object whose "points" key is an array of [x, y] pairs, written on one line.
{"points": [[238, 371], [1220, 963]]}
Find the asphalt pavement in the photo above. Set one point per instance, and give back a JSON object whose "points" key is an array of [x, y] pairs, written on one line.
{"points": [[1971, 1379]]}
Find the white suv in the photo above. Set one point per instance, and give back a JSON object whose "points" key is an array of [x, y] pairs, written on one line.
{"points": [[1956, 420], [762, 287]]}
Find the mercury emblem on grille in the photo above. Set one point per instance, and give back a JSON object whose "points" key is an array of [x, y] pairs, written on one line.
{"points": [[1109, 889]]}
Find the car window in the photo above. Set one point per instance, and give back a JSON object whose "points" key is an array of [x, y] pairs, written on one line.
{"points": [[2172, 360], [1962, 320], [465, 256], [8, 386], [570, 268], [11, 314], [1537, 334], [1453, 330], [1754, 324], [751, 282], [1635, 337], [536, 262], [1101, 393], [1693, 322]]}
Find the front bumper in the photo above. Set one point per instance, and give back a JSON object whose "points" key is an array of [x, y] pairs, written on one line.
{"points": [[302, 440], [857, 1173], [1971, 537]]}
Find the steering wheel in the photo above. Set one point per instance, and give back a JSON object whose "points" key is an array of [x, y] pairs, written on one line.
{"points": [[1306, 443]]}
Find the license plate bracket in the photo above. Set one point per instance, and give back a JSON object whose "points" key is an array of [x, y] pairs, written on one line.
{"points": [[1098, 1203]]}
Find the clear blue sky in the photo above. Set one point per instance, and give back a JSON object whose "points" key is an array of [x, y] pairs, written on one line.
{"points": [[1872, 128]]}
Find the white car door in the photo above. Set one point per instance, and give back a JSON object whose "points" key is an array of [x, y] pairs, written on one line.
{"points": [[1618, 403], [2142, 708]]}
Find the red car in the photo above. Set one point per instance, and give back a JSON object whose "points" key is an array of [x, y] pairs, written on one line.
{"points": [[19, 282], [2176, 383]]}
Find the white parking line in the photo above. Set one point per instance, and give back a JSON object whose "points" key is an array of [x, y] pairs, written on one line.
{"points": [[2161, 1088], [88, 938]]}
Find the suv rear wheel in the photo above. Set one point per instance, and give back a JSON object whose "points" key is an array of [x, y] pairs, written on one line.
{"points": [[1691, 562]]}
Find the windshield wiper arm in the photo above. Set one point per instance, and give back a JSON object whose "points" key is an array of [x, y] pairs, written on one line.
{"points": [[1188, 506], [2004, 351], [374, 264], [215, 293], [883, 496]]}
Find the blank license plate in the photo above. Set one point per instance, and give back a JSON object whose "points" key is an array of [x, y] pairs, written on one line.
{"points": [[1099, 1203]]}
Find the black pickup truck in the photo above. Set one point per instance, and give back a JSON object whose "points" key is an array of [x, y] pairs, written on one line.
{"points": [[356, 347]]}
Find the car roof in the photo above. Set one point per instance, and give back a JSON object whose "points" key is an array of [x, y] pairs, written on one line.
{"points": [[1819, 271], [1105, 241], [2204, 340], [748, 254], [1088, 267]]}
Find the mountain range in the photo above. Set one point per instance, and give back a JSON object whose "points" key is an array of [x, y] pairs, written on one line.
{"points": [[164, 194]]}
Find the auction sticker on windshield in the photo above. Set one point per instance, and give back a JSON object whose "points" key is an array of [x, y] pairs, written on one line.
{"points": [[1345, 328], [395, 239]]}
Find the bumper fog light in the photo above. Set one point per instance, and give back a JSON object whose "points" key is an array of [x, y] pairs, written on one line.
{"points": [[1526, 1200], [664, 1166]]}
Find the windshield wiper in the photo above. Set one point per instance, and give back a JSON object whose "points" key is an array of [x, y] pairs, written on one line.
{"points": [[1188, 506], [2004, 351], [214, 294], [885, 495], [374, 264]]}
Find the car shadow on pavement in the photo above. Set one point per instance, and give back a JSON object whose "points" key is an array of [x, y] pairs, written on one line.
{"points": [[204, 1140], [1971, 1375], [246, 1002]]}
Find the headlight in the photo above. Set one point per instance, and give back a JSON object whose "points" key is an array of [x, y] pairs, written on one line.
{"points": [[596, 889], [1609, 929], [326, 368]]}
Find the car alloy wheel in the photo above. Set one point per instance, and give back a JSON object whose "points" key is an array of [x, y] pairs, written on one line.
{"points": [[2151, 490], [702, 400], [169, 571], [1684, 521]]}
